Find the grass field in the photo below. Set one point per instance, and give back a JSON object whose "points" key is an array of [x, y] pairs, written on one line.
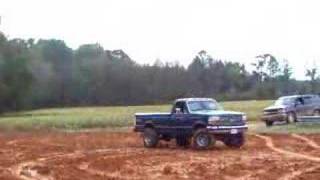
{"points": [[116, 117]]}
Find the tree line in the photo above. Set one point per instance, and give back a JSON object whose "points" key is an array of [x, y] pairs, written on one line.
{"points": [[47, 73]]}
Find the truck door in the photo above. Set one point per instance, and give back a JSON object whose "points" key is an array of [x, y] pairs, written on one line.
{"points": [[180, 118], [300, 107], [309, 105]]}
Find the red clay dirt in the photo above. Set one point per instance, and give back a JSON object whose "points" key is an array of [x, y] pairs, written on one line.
{"points": [[106, 155]]}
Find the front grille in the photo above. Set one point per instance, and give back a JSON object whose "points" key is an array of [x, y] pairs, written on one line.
{"points": [[231, 120], [271, 111]]}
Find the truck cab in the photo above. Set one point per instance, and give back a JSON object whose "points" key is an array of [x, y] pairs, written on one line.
{"points": [[197, 121]]}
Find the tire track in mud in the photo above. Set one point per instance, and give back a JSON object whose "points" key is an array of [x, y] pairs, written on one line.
{"points": [[250, 174], [85, 167], [4, 169], [83, 162], [17, 143], [307, 140], [157, 171], [26, 170], [83, 153], [297, 173], [271, 145]]}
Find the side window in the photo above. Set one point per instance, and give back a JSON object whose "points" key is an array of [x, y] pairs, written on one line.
{"points": [[182, 106], [299, 101], [185, 108], [307, 100], [316, 100]]}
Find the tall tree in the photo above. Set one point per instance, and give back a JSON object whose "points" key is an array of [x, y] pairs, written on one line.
{"points": [[312, 73], [273, 66], [260, 67]]}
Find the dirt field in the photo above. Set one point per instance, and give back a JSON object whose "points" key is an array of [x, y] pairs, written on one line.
{"points": [[99, 155]]}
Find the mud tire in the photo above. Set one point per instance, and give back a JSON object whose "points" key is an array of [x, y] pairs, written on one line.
{"points": [[316, 112], [150, 138], [292, 118], [269, 123], [201, 139], [235, 140]]}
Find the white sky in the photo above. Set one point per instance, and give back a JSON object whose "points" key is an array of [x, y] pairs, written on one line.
{"points": [[175, 30]]}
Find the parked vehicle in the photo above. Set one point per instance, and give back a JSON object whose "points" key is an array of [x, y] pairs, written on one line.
{"points": [[288, 108], [197, 121]]}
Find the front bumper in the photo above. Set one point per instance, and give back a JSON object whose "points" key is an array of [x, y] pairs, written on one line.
{"points": [[275, 117], [227, 129]]}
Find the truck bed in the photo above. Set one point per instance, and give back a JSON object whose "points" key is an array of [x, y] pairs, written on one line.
{"points": [[151, 114]]}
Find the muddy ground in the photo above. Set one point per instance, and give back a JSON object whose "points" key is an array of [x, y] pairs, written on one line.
{"points": [[101, 155]]}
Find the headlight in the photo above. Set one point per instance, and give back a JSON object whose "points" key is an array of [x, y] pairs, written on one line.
{"points": [[213, 119], [281, 111], [244, 117]]}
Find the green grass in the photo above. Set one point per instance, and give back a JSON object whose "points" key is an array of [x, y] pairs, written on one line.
{"points": [[253, 108], [300, 128], [122, 116], [75, 118]]}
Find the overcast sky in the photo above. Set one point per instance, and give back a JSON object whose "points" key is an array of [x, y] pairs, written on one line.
{"points": [[175, 30]]}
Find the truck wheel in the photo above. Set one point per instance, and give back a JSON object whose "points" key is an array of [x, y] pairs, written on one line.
{"points": [[269, 123], [183, 141], [202, 139], [150, 138], [291, 117], [316, 113], [235, 140]]}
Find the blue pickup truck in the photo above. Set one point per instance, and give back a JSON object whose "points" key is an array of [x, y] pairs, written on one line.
{"points": [[197, 121]]}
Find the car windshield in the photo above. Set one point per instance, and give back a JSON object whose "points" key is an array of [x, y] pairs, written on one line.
{"points": [[284, 101], [203, 105]]}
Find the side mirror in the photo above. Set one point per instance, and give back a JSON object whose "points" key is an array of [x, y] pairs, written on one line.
{"points": [[178, 111]]}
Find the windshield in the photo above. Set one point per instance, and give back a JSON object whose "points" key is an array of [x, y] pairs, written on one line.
{"points": [[203, 105], [284, 101]]}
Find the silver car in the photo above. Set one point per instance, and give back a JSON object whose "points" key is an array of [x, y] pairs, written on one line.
{"points": [[288, 108]]}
